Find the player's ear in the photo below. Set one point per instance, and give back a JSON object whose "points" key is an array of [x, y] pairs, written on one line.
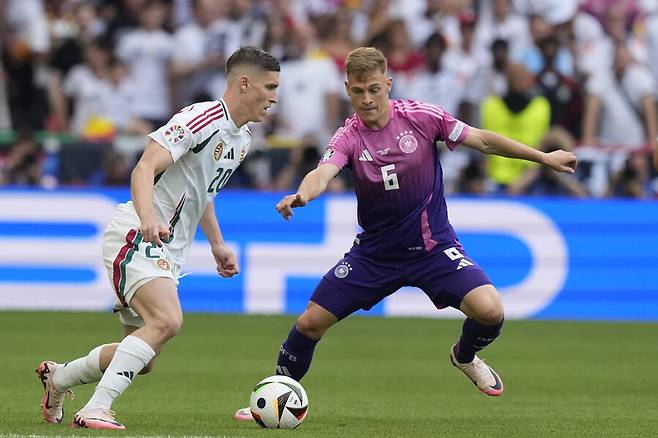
{"points": [[347, 87], [244, 83], [389, 84]]}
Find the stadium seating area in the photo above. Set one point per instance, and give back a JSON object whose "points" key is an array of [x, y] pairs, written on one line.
{"points": [[83, 81]]}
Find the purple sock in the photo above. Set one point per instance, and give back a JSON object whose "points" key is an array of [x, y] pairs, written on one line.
{"points": [[295, 355], [475, 336]]}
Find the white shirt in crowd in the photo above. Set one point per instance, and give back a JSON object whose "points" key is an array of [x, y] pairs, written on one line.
{"points": [[147, 56], [301, 108], [619, 122]]}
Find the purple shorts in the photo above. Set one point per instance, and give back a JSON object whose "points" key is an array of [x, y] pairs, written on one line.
{"points": [[358, 281]]}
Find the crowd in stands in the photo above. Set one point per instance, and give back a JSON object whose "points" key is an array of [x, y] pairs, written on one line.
{"points": [[83, 81]]}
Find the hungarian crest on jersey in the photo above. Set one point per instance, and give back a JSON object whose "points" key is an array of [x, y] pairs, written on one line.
{"points": [[217, 153]]}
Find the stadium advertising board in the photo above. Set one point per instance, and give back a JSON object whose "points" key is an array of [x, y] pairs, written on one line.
{"points": [[550, 258]]}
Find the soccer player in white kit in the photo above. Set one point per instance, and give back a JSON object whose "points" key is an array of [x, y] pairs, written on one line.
{"points": [[146, 243]]}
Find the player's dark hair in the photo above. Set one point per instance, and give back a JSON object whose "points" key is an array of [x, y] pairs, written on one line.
{"points": [[252, 56]]}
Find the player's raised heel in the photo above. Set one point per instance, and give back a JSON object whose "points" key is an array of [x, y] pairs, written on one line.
{"points": [[243, 414], [52, 403], [96, 419], [481, 374]]}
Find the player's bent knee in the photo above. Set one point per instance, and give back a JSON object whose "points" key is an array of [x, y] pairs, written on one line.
{"points": [[312, 328], [490, 314], [168, 327]]}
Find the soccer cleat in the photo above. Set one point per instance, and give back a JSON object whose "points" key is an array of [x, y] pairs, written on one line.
{"points": [[96, 419], [481, 374], [243, 414], [52, 403]]}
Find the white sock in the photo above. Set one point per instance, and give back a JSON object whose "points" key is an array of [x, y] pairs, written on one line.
{"points": [[131, 356], [79, 371]]}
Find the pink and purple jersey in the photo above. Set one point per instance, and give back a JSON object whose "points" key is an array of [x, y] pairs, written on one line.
{"points": [[398, 177]]}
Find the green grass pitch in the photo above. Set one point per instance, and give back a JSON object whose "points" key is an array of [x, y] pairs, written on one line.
{"points": [[372, 377]]}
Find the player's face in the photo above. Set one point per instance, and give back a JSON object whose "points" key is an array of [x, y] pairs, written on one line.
{"points": [[263, 94], [369, 95]]}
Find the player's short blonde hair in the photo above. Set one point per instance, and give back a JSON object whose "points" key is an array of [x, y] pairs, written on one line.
{"points": [[364, 60]]}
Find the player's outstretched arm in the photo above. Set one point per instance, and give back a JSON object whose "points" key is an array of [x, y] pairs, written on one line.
{"points": [[491, 143], [154, 161], [313, 185], [227, 264]]}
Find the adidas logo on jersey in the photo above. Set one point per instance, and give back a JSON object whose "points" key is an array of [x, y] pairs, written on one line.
{"points": [[365, 156], [229, 155]]}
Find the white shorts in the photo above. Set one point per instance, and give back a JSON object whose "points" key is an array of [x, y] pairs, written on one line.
{"points": [[131, 263]]}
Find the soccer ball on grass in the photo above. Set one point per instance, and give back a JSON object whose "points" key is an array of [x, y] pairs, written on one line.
{"points": [[278, 402]]}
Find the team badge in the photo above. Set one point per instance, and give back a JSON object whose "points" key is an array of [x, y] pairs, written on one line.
{"points": [[342, 270], [407, 142], [328, 154], [174, 134], [163, 264], [217, 154], [243, 154]]}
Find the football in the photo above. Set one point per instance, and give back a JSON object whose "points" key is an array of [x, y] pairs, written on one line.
{"points": [[278, 402]]}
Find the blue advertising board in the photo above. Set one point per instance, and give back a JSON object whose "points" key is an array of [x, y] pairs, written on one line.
{"points": [[549, 258]]}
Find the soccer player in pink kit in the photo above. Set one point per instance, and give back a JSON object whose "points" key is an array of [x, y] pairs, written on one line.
{"points": [[407, 239]]}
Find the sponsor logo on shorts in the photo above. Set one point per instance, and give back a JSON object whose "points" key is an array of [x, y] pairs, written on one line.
{"points": [[217, 154], [407, 142], [342, 270], [174, 134], [163, 264]]}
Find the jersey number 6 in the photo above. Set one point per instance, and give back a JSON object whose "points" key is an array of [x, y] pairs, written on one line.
{"points": [[390, 177]]}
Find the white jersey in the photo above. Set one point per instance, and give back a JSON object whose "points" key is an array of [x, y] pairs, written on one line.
{"points": [[206, 148]]}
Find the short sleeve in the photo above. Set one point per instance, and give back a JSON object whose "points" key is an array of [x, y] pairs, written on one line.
{"points": [[435, 122], [175, 137], [338, 149]]}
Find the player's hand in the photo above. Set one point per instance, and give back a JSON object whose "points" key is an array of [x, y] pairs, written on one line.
{"points": [[227, 264], [285, 206], [154, 232], [562, 161]]}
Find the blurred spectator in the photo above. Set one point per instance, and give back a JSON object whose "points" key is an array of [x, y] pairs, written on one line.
{"points": [[303, 159], [193, 62], [5, 114], [308, 97], [402, 57], [22, 163], [543, 181], [25, 43], [467, 60], [335, 34], [115, 170], [652, 42], [563, 93], [371, 22], [437, 16], [620, 106], [503, 23], [90, 90], [472, 179], [632, 180], [493, 79], [521, 115], [534, 58], [435, 83], [279, 34], [76, 26], [147, 52]]}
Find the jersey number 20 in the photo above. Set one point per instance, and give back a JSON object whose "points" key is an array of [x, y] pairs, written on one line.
{"points": [[219, 180]]}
